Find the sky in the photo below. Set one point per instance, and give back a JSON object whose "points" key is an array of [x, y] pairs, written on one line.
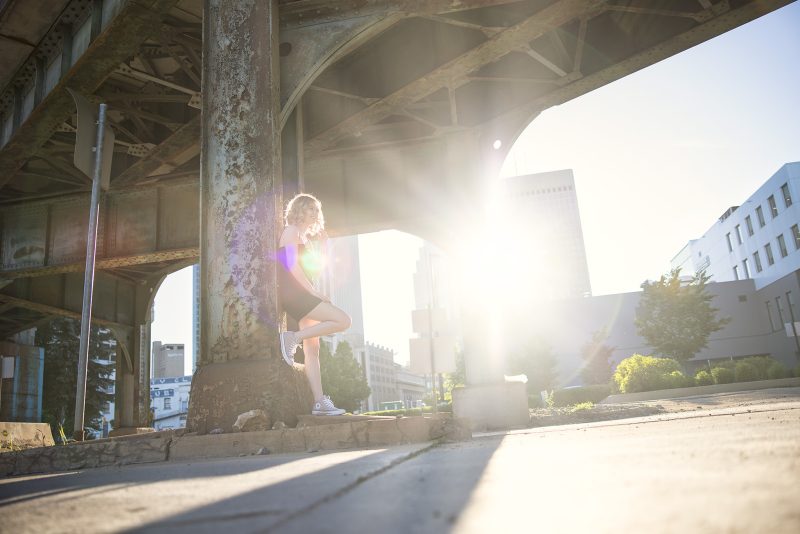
{"points": [[657, 157]]}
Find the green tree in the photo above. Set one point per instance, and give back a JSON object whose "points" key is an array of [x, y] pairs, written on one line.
{"points": [[597, 359], [534, 359], [60, 339], [342, 376], [457, 378], [676, 318]]}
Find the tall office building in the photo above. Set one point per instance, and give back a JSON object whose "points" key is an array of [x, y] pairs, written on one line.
{"points": [[167, 360], [546, 255], [341, 281], [759, 239]]}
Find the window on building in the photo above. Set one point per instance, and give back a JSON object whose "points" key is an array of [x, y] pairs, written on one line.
{"points": [[770, 257], [746, 268], [787, 196], [757, 261], [167, 403], [735, 272], [773, 206], [749, 223], [779, 305], [782, 246], [760, 215], [796, 236], [738, 229], [728, 239], [771, 317], [790, 305]]}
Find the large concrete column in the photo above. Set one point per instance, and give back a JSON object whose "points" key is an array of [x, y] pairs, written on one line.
{"points": [[487, 401], [240, 366]]}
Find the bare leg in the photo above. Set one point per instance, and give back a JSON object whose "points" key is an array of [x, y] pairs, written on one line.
{"points": [[311, 351], [327, 319]]}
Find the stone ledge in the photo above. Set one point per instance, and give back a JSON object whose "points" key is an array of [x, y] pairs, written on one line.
{"points": [[133, 449], [346, 433], [676, 393], [25, 435]]}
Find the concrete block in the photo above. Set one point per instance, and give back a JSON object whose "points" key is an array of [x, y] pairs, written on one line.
{"points": [[418, 429], [383, 433], [224, 445], [8, 462], [329, 437], [492, 406], [25, 435], [130, 431], [293, 440], [98, 453], [316, 420]]}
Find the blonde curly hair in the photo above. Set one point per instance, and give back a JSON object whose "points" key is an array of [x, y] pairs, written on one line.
{"points": [[297, 208]]}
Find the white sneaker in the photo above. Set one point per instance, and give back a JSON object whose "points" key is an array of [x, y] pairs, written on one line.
{"points": [[325, 407], [289, 345]]}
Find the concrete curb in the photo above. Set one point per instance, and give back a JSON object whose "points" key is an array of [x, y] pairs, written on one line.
{"points": [[134, 449], [676, 393], [343, 435], [178, 446]]}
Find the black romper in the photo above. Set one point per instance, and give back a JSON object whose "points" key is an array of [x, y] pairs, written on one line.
{"points": [[296, 300]]}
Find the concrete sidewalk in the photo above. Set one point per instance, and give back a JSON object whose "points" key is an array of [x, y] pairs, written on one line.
{"points": [[732, 468]]}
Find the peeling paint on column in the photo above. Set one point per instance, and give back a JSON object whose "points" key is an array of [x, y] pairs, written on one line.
{"points": [[240, 367], [241, 163]]}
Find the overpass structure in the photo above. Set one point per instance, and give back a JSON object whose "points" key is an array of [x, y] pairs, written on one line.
{"points": [[394, 112]]}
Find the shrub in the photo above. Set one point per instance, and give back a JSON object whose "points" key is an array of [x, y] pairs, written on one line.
{"points": [[724, 364], [777, 370], [745, 372], [703, 378], [646, 373], [722, 375], [761, 364], [581, 406], [676, 379], [577, 395]]}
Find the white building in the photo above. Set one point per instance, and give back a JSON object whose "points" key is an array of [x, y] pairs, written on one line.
{"points": [[759, 239], [379, 369], [548, 259], [169, 401]]}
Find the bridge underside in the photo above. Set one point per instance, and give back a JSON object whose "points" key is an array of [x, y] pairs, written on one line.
{"points": [[389, 112]]}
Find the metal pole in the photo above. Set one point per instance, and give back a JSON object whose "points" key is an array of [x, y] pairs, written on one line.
{"points": [[88, 279]]}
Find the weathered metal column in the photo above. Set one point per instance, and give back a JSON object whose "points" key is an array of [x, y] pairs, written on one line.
{"points": [[240, 366], [132, 395]]}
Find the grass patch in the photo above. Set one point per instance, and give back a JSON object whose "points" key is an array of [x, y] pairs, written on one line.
{"points": [[581, 406]]}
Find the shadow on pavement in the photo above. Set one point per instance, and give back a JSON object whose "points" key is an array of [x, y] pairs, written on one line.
{"points": [[424, 493], [31, 487]]}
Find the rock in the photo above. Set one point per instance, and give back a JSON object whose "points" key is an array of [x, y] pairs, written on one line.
{"points": [[216, 431], [263, 451], [252, 421], [279, 425]]}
